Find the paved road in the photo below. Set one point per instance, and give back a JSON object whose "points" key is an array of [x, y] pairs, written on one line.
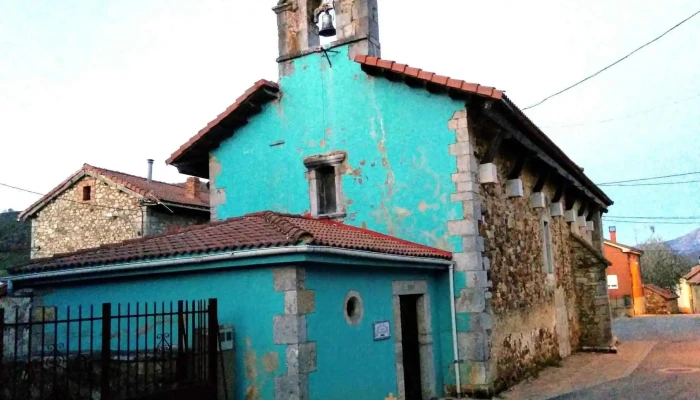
{"points": [[671, 370]]}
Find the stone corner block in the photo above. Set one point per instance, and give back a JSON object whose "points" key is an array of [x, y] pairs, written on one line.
{"points": [[570, 216], [514, 188], [488, 173], [471, 300], [288, 278], [461, 227], [589, 226], [556, 209], [473, 346], [468, 261], [289, 329], [307, 357], [537, 200]]}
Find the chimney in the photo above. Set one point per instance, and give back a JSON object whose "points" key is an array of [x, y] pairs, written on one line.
{"points": [[613, 234], [355, 21], [150, 170], [192, 187]]}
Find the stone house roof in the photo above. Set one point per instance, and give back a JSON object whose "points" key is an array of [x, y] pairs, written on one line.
{"points": [[157, 192], [252, 231], [665, 293]]}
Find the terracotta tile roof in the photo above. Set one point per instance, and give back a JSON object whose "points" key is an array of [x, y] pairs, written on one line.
{"points": [[418, 77], [252, 231], [164, 192], [459, 88], [665, 293], [693, 276], [625, 248], [221, 127]]}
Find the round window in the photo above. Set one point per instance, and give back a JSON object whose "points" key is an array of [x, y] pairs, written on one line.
{"points": [[353, 308]]}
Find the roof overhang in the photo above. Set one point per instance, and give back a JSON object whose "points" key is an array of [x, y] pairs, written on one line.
{"points": [[227, 260], [623, 248], [192, 158]]}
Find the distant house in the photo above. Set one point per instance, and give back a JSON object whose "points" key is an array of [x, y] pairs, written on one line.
{"points": [[659, 300], [624, 277], [96, 206], [689, 292]]}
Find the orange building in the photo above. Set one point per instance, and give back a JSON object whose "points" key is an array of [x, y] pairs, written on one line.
{"points": [[625, 288]]}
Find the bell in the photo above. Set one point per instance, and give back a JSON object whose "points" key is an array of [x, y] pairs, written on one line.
{"points": [[327, 28]]}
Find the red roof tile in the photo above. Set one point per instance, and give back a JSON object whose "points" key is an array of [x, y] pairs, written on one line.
{"points": [[261, 92], [665, 293], [161, 191], [410, 72], [258, 230]]}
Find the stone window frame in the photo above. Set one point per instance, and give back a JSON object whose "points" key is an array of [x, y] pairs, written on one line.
{"points": [[425, 336], [316, 162], [92, 184], [356, 319], [548, 249]]}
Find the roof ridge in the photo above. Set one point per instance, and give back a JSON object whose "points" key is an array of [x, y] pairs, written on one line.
{"points": [[132, 175], [285, 226]]}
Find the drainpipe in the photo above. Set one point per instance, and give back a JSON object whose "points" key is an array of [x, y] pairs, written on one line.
{"points": [[150, 170], [453, 315]]}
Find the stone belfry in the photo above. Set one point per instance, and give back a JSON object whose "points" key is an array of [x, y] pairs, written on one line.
{"points": [[355, 21]]}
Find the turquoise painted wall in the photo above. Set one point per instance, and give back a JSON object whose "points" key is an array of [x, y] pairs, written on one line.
{"points": [[349, 361], [398, 175], [246, 299]]}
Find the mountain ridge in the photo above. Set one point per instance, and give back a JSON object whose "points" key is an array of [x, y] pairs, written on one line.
{"points": [[687, 245]]}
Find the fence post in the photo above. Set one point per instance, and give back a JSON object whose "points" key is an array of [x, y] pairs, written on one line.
{"points": [[180, 362], [106, 339], [213, 336]]}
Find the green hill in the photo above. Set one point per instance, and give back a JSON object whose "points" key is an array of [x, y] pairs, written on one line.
{"points": [[15, 240]]}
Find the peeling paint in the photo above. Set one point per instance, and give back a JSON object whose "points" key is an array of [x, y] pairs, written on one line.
{"points": [[423, 206], [271, 361], [401, 212], [251, 372], [322, 143]]}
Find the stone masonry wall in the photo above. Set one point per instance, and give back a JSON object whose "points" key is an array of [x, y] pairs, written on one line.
{"points": [[68, 223], [535, 318], [591, 295], [159, 222], [657, 304]]}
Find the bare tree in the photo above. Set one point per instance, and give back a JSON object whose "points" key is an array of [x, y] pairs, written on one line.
{"points": [[661, 265]]}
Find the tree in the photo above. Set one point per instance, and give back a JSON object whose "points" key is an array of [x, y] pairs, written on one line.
{"points": [[661, 265]]}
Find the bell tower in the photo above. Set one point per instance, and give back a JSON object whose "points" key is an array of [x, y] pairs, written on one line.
{"points": [[355, 23]]}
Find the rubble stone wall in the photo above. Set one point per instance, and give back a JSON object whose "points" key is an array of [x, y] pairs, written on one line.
{"points": [[657, 304], [535, 316], [68, 223], [164, 221]]}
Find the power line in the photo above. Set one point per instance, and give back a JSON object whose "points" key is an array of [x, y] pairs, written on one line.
{"points": [[613, 64], [654, 184], [623, 117], [73, 201], [640, 217], [648, 179], [620, 221]]}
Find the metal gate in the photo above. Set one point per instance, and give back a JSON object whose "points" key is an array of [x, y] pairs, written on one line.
{"points": [[144, 351]]}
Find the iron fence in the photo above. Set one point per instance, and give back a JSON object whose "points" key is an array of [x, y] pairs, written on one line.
{"points": [[123, 351]]}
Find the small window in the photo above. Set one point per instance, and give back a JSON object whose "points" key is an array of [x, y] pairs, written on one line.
{"points": [[612, 282], [547, 245], [353, 308], [325, 189], [87, 193], [325, 192]]}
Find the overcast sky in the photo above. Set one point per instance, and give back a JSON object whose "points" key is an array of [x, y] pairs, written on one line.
{"points": [[114, 83]]}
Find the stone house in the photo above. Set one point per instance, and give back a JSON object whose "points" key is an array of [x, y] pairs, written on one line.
{"points": [[688, 292], [96, 206], [624, 277], [348, 140], [659, 300]]}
